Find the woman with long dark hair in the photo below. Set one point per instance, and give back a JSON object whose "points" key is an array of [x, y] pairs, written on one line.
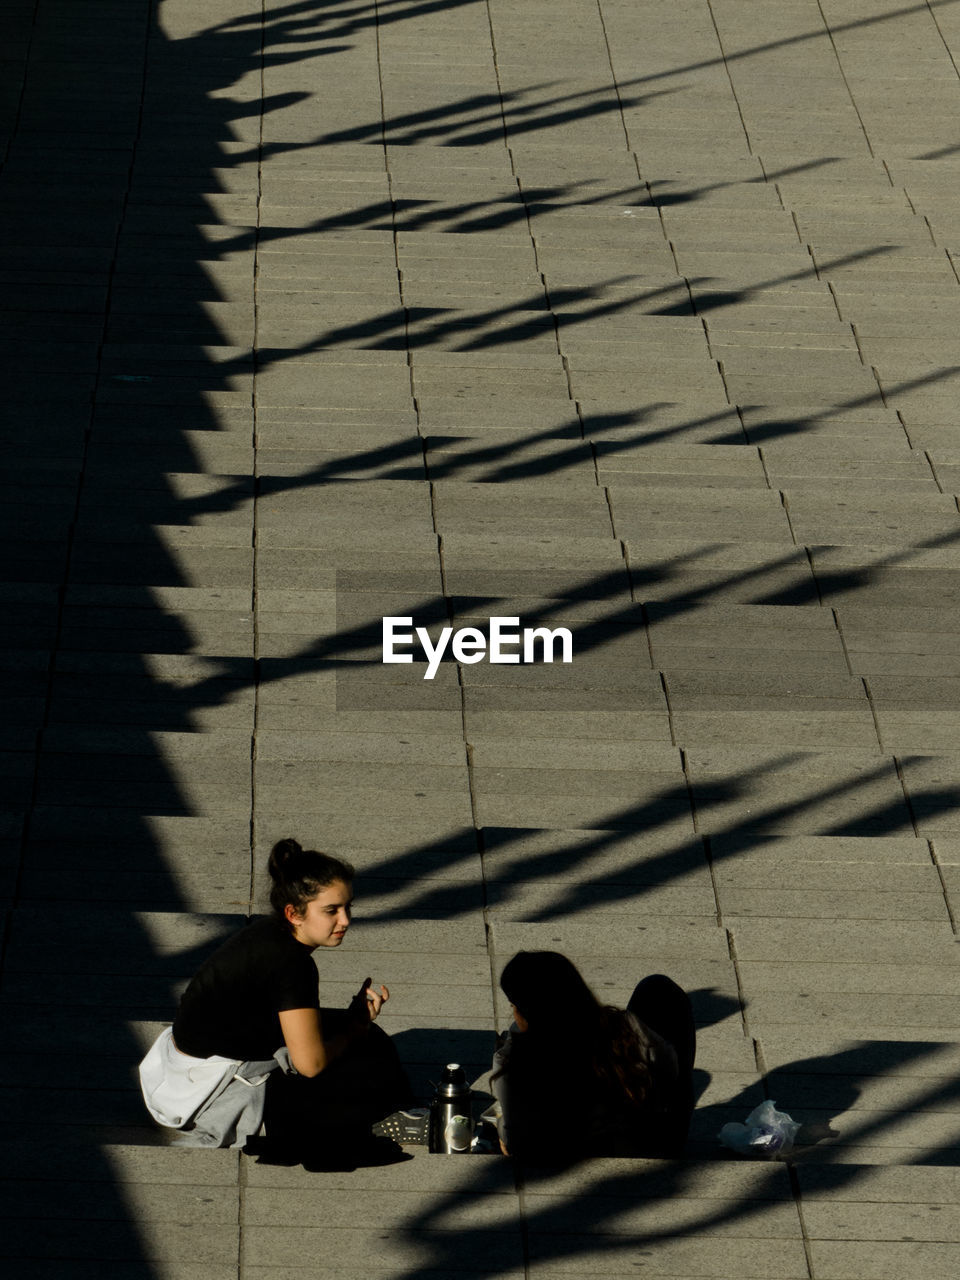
{"points": [[250, 1027], [577, 1078]]}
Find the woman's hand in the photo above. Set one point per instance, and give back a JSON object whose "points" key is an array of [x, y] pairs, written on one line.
{"points": [[367, 1003], [376, 1001]]}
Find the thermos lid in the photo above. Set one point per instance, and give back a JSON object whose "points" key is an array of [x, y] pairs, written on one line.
{"points": [[453, 1081]]}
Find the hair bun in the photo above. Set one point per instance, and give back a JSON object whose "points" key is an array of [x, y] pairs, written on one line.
{"points": [[281, 856]]}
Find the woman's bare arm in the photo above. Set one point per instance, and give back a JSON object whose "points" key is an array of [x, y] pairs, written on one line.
{"points": [[302, 1031], [304, 1039]]}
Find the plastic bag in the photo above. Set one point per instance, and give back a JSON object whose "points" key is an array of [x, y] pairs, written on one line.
{"points": [[767, 1132]]}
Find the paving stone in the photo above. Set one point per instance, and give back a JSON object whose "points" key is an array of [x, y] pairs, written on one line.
{"points": [[189, 1246], [668, 813], [270, 1207], [859, 1013], [597, 902], [152, 1203], [353, 815], [670, 657], [437, 749], [568, 753], [136, 1165], [857, 941], [864, 979], [359, 1253], [863, 801], [293, 775], [930, 782], [930, 1184], [637, 940], [651, 725], [881, 1222], [840, 1260]]}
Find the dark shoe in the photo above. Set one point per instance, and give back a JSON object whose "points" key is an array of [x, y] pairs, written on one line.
{"points": [[408, 1127]]}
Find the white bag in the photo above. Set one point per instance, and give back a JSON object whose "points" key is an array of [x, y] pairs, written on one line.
{"points": [[175, 1085], [767, 1132]]}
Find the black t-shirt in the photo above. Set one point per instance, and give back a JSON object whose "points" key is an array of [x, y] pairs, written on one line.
{"points": [[230, 1007]]}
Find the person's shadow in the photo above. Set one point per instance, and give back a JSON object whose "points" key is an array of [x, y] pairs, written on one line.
{"points": [[710, 1006]]}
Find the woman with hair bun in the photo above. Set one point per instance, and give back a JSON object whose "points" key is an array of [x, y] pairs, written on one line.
{"points": [[319, 1077], [576, 1078]]}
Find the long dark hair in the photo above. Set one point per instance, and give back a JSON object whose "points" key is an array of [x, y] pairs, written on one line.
{"points": [[299, 874], [568, 1024]]}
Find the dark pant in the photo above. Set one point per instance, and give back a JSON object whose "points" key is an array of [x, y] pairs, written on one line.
{"points": [[338, 1106], [665, 1008]]}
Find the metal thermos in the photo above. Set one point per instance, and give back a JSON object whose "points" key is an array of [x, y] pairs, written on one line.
{"points": [[451, 1122]]}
